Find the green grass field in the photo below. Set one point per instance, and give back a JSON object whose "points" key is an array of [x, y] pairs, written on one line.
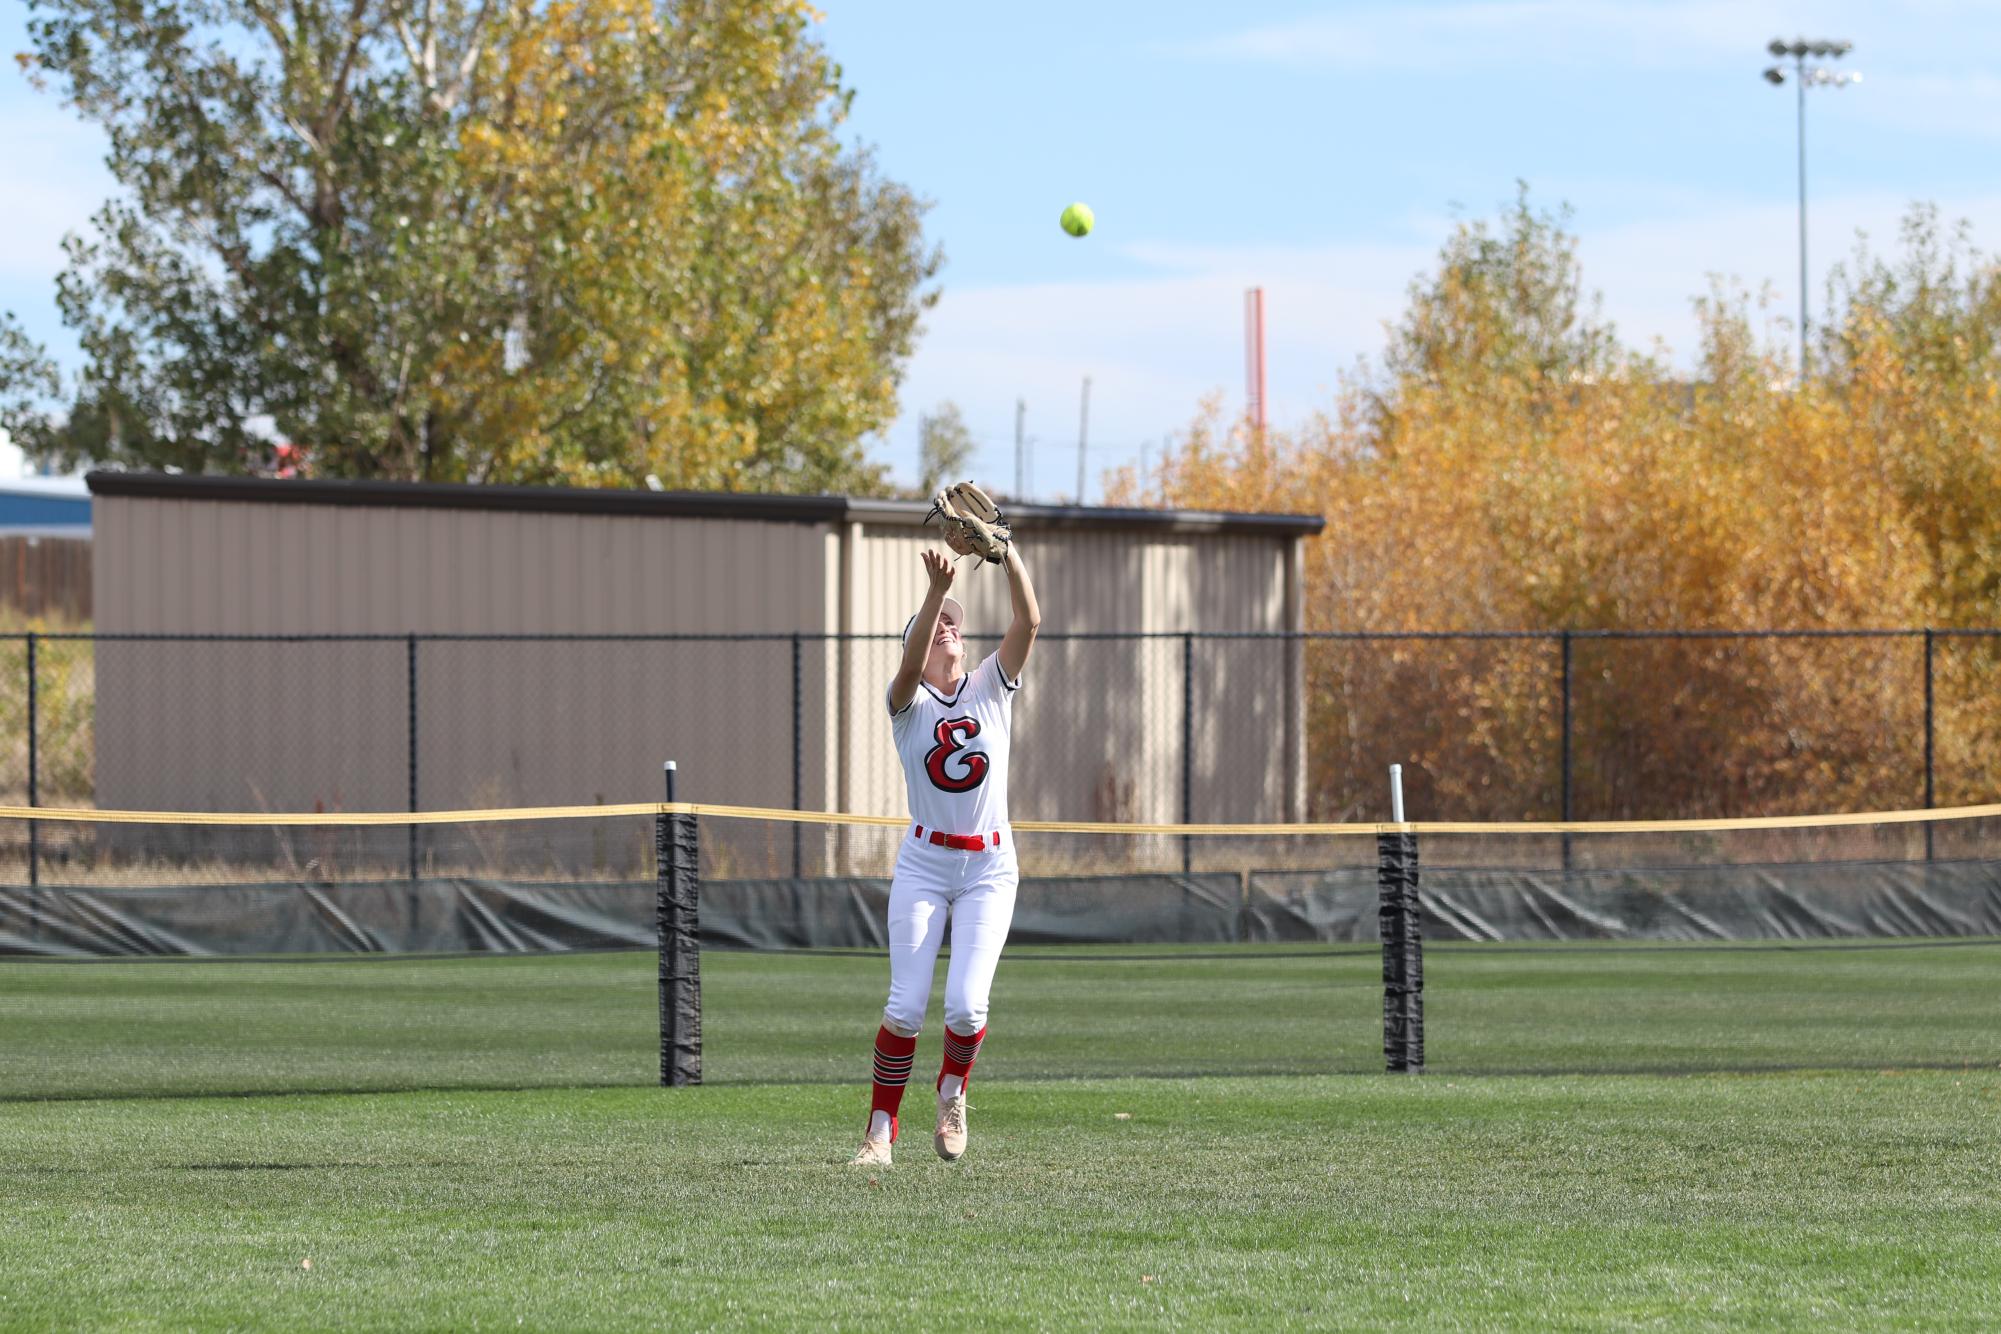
{"points": [[1162, 1138]]}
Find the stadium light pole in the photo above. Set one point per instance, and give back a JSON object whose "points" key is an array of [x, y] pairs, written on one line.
{"points": [[1803, 75]]}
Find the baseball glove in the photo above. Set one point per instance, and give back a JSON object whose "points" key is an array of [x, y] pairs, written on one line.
{"points": [[974, 525]]}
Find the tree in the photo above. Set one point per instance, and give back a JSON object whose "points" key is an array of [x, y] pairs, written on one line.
{"points": [[1912, 355], [1510, 304], [944, 448], [699, 282], [1913, 348], [1509, 466], [27, 380], [583, 240]]}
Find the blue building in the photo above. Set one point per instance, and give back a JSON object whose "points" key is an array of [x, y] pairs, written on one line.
{"points": [[44, 507], [45, 551]]}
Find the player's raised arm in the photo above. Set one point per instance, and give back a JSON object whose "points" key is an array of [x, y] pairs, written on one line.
{"points": [[1020, 637], [917, 647]]}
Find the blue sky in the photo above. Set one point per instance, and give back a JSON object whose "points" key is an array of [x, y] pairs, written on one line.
{"points": [[1322, 151]]}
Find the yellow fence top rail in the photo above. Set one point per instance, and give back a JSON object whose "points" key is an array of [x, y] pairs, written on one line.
{"points": [[502, 815]]}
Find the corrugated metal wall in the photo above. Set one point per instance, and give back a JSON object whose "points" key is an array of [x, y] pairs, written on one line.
{"points": [[1099, 724], [312, 725], [309, 725], [215, 566]]}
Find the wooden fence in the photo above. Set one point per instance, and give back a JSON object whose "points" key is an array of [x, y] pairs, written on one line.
{"points": [[46, 577]]}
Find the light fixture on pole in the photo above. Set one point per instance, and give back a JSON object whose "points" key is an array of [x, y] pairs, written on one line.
{"points": [[1804, 75]]}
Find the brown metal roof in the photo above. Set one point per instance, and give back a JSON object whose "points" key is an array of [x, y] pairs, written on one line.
{"points": [[666, 504]]}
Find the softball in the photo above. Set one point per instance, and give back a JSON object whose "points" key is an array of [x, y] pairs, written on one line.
{"points": [[1077, 220]]}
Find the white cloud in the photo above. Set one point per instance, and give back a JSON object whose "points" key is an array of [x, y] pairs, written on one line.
{"points": [[1912, 81], [1931, 104], [1621, 36], [1155, 345], [1650, 270], [1540, 32]]}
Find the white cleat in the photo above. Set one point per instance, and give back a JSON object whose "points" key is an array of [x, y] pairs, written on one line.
{"points": [[950, 1139], [874, 1153]]}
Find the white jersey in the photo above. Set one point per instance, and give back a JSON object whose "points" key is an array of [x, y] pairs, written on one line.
{"points": [[954, 750]]}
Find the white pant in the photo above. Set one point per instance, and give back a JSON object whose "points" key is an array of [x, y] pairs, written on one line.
{"points": [[976, 891]]}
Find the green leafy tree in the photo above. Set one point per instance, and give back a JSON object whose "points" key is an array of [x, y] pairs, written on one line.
{"points": [[695, 279], [578, 241], [28, 380]]}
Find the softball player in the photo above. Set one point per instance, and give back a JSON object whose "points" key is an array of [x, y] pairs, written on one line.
{"points": [[957, 860]]}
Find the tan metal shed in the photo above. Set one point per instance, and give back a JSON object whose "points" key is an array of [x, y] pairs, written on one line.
{"points": [[443, 647]]}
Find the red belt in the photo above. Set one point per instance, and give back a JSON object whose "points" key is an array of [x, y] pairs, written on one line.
{"points": [[963, 842]]}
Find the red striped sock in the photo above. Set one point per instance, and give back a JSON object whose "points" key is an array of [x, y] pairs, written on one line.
{"points": [[893, 1057], [960, 1053]]}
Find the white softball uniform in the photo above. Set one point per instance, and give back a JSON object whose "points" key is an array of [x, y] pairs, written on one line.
{"points": [[957, 859]]}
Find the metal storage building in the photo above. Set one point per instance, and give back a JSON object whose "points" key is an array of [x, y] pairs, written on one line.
{"points": [[391, 646]]}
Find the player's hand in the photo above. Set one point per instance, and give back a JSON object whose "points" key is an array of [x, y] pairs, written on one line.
{"points": [[939, 569]]}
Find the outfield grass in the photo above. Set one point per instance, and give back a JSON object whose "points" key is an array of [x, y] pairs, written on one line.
{"points": [[159, 1027], [1858, 1188], [1835, 1200]]}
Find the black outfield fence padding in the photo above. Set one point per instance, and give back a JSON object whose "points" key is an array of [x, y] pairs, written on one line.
{"points": [[243, 952], [1403, 953], [1336, 907], [680, 934], [678, 909]]}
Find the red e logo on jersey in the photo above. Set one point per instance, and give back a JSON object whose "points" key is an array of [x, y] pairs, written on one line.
{"points": [[952, 734]]}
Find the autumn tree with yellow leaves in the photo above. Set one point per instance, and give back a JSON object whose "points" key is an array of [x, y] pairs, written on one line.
{"points": [[582, 241], [1511, 466]]}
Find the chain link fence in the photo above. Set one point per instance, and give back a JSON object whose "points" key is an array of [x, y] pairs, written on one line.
{"points": [[1593, 725]]}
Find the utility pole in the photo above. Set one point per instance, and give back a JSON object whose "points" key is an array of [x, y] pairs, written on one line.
{"points": [[1254, 358], [1020, 419], [1083, 433]]}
